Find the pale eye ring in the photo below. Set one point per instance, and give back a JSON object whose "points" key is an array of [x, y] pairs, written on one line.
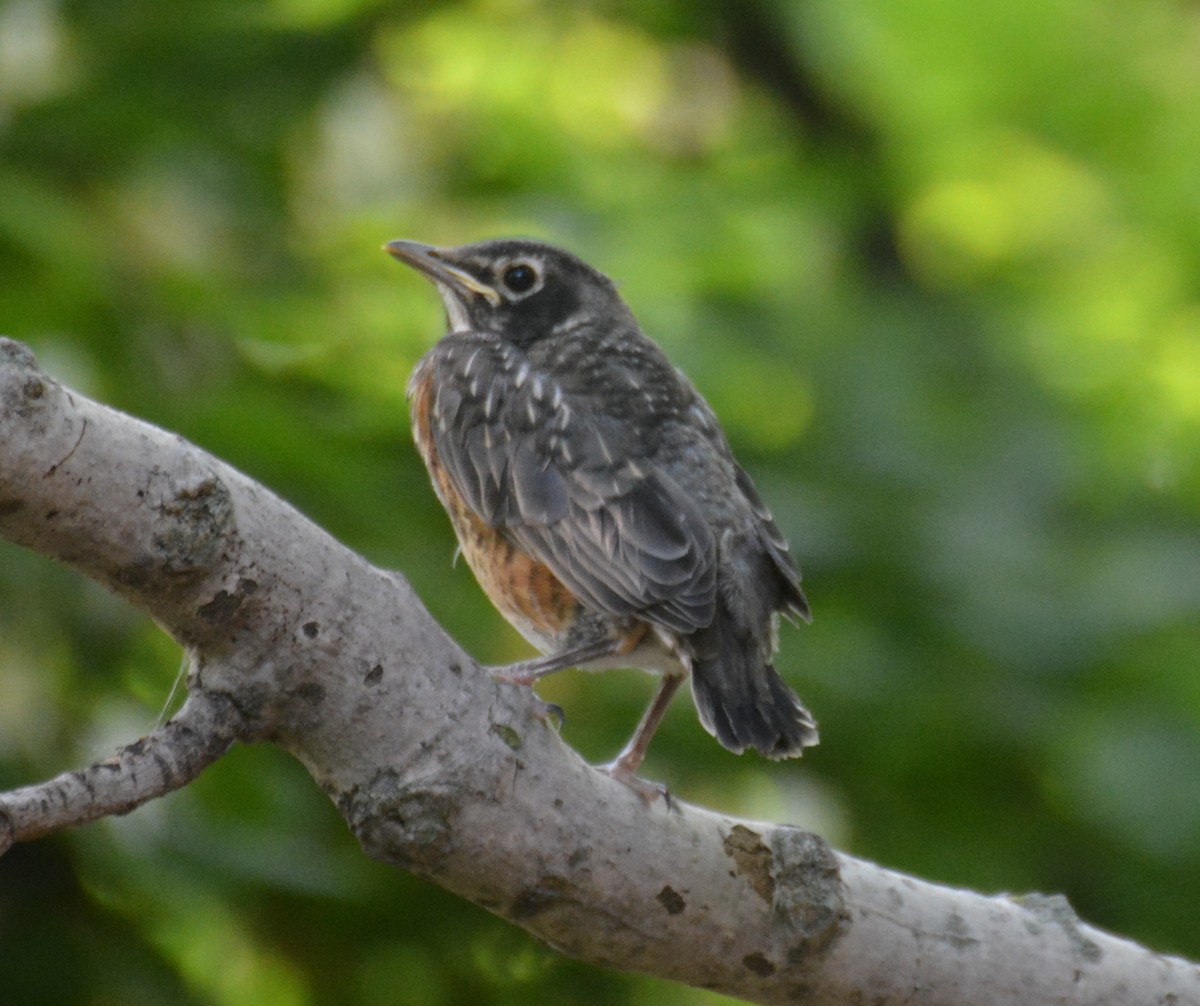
{"points": [[520, 277]]}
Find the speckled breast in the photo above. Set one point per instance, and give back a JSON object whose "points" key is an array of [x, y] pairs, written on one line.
{"points": [[525, 591]]}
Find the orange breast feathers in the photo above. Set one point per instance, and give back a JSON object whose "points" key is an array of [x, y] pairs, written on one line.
{"points": [[523, 589]]}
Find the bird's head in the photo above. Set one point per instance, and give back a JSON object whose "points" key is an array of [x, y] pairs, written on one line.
{"points": [[521, 290]]}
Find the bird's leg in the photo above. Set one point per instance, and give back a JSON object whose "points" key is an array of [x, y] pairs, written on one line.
{"points": [[526, 672], [624, 767]]}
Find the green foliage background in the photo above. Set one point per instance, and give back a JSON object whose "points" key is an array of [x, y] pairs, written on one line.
{"points": [[935, 265]]}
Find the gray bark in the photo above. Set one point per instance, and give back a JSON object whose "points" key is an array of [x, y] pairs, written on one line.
{"points": [[440, 770]]}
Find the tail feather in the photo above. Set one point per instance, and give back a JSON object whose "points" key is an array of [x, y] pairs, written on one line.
{"points": [[742, 700]]}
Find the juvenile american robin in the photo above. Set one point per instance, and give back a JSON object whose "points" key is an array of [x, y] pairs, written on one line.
{"points": [[595, 496]]}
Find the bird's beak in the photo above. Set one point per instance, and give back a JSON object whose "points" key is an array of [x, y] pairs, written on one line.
{"points": [[439, 267]]}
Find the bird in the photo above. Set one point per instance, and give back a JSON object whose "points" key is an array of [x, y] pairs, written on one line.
{"points": [[595, 496]]}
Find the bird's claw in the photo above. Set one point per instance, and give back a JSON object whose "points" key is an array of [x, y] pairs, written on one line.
{"points": [[514, 674], [649, 791], [550, 711]]}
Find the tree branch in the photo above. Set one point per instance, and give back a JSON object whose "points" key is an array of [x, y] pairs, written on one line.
{"points": [[439, 769], [170, 757]]}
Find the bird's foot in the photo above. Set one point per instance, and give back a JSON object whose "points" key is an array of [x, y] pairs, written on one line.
{"points": [[519, 674], [526, 672], [650, 792], [513, 674]]}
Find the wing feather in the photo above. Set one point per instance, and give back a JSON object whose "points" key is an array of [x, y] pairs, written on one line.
{"points": [[574, 490], [794, 604]]}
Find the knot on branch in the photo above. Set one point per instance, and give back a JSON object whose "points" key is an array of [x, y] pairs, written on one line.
{"points": [[16, 355], [192, 518], [1054, 909], [809, 892], [405, 822], [22, 383], [798, 875]]}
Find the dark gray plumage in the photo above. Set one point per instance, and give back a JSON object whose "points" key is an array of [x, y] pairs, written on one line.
{"points": [[568, 436]]}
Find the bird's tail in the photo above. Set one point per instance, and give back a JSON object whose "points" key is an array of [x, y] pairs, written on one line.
{"points": [[742, 700]]}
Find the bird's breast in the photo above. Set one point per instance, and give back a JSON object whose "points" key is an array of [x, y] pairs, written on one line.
{"points": [[523, 589]]}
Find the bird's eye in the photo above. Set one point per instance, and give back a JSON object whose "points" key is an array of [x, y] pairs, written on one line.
{"points": [[519, 278]]}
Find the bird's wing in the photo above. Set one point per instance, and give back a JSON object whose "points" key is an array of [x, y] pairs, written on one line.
{"points": [[571, 488], [794, 604]]}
